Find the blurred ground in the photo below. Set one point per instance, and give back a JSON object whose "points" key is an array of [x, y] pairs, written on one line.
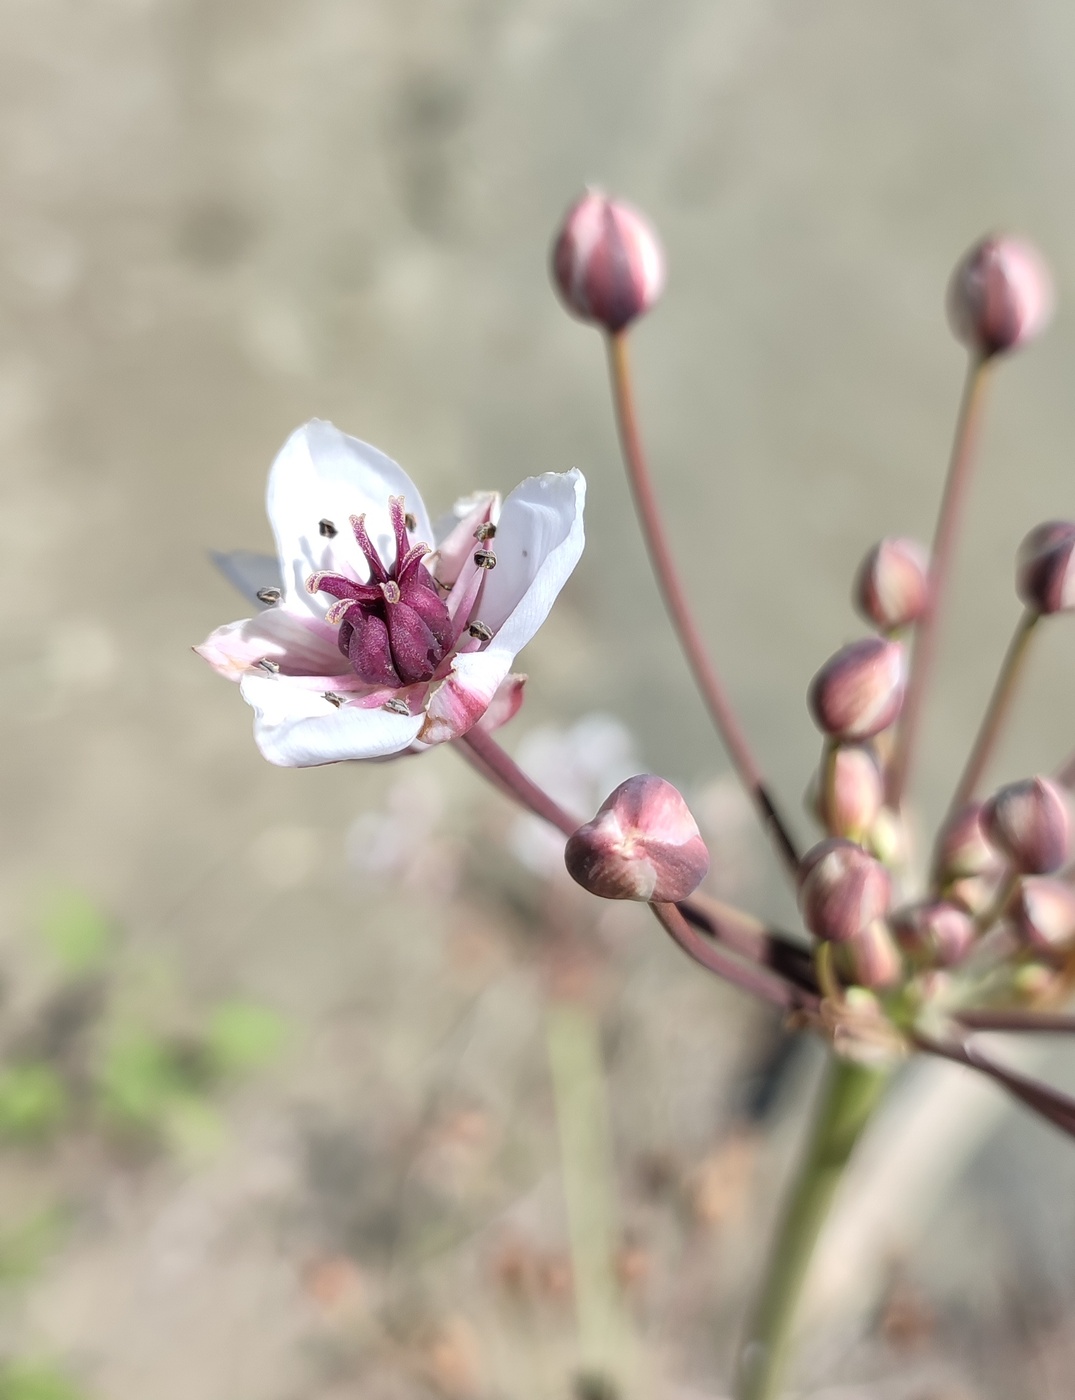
{"points": [[219, 220]]}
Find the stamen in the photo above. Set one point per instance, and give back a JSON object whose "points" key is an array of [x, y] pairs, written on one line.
{"points": [[273, 667], [485, 531], [411, 521], [333, 698], [268, 595], [327, 530], [481, 630], [485, 559], [396, 707]]}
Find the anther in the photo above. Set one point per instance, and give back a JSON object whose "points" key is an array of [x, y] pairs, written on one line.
{"points": [[396, 707], [268, 595], [485, 559], [411, 521], [333, 698], [273, 667], [485, 531], [327, 530], [481, 630]]}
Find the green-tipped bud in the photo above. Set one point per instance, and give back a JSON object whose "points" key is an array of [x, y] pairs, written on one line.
{"points": [[1045, 568], [1029, 821], [842, 889], [935, 934], [871, 959], [859, 691], [892, 587], [642, 844], [1043, 912], [1000, 296]]}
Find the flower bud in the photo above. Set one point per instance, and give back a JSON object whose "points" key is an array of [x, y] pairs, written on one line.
{"points": [[1031, 824], [642, 844], [937, 933], [859, 691], [871, 958], [963, 848], [1045, 571], [1043, 912], [607, 263], [841, 890], [1000, 295], [851, 792], [892, 586]]}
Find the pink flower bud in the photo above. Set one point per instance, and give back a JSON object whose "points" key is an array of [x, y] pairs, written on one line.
{"points": [[1000, 295], [841, 890], [607, 263], [1045, 568], [1031, 824], [852, 791], [1043, 912], [964, 849], [859, 691], [871, 959], [642, 844], [892, 587], [937, 933]]}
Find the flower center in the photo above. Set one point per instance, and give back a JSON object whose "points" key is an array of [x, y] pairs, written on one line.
{"points": [[394, 630]]}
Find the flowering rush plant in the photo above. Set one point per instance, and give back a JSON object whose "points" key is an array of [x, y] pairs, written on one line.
{"points": [[381, 634]]}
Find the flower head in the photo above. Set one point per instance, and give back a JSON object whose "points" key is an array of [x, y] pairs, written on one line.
{"points": [[387, 635]]}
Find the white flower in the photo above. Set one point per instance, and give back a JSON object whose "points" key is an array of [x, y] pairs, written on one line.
{"points": [[379, 642]]}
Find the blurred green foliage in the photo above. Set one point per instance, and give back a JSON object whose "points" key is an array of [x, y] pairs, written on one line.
{"points": [[33, 1101], [75, 930], [29, 1381], [25, 1246]]}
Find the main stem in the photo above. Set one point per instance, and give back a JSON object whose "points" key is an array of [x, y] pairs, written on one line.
{"points": [[996, 713], [957, 484], [850, 1094], [675, 599]]}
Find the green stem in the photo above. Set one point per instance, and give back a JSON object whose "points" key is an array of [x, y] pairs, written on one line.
{"points": [[850, 1094]]}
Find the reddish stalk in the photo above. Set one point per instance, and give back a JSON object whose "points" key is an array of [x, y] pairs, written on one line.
{"points": [[1000, 703], [949, 519], [1042, 1022], [675, 600]]}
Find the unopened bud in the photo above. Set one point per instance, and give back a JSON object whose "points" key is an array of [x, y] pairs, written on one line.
{"points": [[938, 933], [642, 844], [871, 958], [977, 894], [892, 587], [851, 791], [963, 847], [607, 263], [842, 889], [1043, 912], [1031, 824], [1000, 295], [1045, 567], [859, 691]]}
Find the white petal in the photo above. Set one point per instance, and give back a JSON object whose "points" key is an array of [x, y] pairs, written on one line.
{"points": [[539, 540], [298, 728], [297, 642], [455, 533], [322, 474]]}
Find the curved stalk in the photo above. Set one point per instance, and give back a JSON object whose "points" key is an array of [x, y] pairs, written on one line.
{"points": [[675, 600], [849, 1096]]}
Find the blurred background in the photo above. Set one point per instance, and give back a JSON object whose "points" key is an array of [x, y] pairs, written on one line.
{"points": [[283, 1054]]}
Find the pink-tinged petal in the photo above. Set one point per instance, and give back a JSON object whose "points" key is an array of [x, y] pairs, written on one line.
{"points": [[455, 536], [505, 704], [459, 701], [539, 541], [298, 728], [321, 474], [300, 644]]}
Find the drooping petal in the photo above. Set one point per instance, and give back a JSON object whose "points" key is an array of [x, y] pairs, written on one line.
{"points": [[297, 643], [539, 541], [321, 474], [299, 728]]}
